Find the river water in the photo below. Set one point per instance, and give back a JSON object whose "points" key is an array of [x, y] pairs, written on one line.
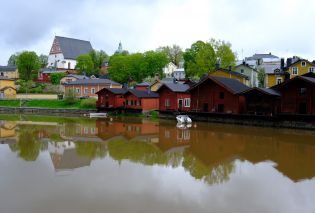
{"points": [[74, 165]]}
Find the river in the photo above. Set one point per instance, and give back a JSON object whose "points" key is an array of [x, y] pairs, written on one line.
{"points": [[136, 165]]}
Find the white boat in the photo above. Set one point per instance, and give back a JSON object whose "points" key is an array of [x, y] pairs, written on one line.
{"points": [[183, 119], [98, 115], [183, 125]]}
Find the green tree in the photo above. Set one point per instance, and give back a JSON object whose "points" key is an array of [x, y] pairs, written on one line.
{"points": [[28, 65], [85, 65], [70, 97], [98, 58], [261, 77], [13, 58], [43, 60], [154, 62], [174, 53], [56, 77], [224, 53]]}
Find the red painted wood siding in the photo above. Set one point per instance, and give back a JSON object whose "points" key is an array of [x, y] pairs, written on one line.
{"points": [[146, 103], [173, 97], [106, 99]]}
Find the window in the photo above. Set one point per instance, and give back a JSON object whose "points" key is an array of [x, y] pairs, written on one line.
{"points": [[295, 71], [93, 90], [78, 90], [311, 69], [139, 102], [303, 63], [221, 95], [187, 102], [167, 102], [69, 65], [279, 80], [1, 73], [131, 102], [242, 71], [302, 91], [86, 90]]}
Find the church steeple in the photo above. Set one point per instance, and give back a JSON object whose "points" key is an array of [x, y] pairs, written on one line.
{"points": [[120, 49]]}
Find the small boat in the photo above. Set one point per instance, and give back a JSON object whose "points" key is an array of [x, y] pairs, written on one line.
{"points": [[183, 119], [98, 115], [183, 125]]}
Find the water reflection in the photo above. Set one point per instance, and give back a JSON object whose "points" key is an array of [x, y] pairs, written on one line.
{"points": [[208, 152]]}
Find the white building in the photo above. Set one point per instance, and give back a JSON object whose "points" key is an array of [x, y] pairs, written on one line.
{"points": [[169, 69], [64, 52]]}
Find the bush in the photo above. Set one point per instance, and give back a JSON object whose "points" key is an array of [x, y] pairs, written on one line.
{"points": [[88, 103], [70, 97]]}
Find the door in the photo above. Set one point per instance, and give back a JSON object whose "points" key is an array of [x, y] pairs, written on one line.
{"points": [[205, 107], [180, 104], [106, 104], [302, 108], [220, 107]]}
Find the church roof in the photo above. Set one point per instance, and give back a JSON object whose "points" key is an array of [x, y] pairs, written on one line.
{"points": [[71, 48]]}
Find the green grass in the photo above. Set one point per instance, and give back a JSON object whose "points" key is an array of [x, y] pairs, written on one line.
{"points": [[44, 104]]}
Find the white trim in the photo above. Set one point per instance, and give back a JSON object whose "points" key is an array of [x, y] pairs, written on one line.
{"points": [[293, 69], [311, 69], [303, 62], [186, 102]]}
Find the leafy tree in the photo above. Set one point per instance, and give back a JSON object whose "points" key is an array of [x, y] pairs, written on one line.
{"points": [[224, 53], [98, 58], [70, 97], [154, 62], [85, 65], [174, 53], [261, 77], [43, 60], [56, 77], [13, 58], [28, 65]]}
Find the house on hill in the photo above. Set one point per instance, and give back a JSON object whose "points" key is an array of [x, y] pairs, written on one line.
{"points": [[250, 72], [7, 88], [229, 73], [9, 72], [64, 52]]}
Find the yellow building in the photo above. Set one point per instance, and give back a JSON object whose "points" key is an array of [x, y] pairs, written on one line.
{"points": [[226, 73], [300, 67], [7, 88], [9, 72]]}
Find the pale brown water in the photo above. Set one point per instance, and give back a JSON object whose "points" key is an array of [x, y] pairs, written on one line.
{"points": [[135, 165]]}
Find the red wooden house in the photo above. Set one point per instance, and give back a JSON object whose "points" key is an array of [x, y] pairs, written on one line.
{"points": [[141, 101], [111, 98], [174, 96], [143, 86], [217, 94], [261, 101], [298, 95]]}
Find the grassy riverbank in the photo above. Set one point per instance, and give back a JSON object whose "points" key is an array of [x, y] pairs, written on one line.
{"points": [[80, 104]]}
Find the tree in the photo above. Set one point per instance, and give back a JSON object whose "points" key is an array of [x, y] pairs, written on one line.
{"points": [[85, 65], [174, 53], [98, 58], [28, 65], [13, 58], [261, 77], [56, 77], [70, 97], [43, 60], [154, 62], [224, 53]]}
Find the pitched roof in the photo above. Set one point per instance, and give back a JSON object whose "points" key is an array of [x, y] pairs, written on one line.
{"points": [[270, 68], [176, 87], [245, 65], [116, 91], [231, 72], [303, 78], [91, 82], [234, 86], [143, 94], [78, 76], [261, 56], [5, 78], [300, 60], [5, 88], [143, 84], [8, 68], [72, 48], [266, 91]]}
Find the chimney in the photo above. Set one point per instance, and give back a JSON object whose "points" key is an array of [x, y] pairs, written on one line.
{"points": [[244, 63], [282, 64], [217, 66], [289, 61]]}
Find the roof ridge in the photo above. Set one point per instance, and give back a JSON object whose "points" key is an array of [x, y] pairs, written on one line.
{"points": [[72, 38]]}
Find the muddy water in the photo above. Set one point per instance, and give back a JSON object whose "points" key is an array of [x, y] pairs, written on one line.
{"points": [[51, 164]]}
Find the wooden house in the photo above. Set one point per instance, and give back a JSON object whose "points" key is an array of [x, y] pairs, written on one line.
{"points": [[7, 88], [174, 97], [297, 95], [111, 98], [217, 94], [229, 73], [141, 101], [299, 67], [261, 101], [144, 86]]}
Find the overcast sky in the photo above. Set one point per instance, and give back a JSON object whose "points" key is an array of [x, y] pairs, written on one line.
{"points": [[283, 27]]}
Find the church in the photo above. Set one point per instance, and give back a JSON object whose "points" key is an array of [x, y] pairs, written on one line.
{"points": [[64, 52]]}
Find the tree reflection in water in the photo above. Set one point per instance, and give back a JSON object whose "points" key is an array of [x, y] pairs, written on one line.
{"points": [[91, 150]]}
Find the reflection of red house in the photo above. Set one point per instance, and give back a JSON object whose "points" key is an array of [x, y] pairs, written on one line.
{"points": [[261, 101], [110, 98], [137, 100], [217, 94], [174, 96], [297, 95]]}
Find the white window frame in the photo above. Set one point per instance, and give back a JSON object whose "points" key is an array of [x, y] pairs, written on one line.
{"points": [[303, 63], [295, 70], [278, 78], [311, 69], [186, 102], [86, 90], [92, 90], [77, 90]]}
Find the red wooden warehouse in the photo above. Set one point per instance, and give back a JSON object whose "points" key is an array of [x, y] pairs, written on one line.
{"points": [[298, 95], [174, 97], [217, 94], [141, 101], [111, 98]]}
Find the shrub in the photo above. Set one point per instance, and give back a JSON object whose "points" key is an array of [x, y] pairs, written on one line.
{"points": [[88, 103], [70, 97]]}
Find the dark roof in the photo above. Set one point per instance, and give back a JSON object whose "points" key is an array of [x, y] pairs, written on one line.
{"points": [[232, 72], [309, 79], [7, 68], [267, 91], [71, 48], [260, 56], [234, 86], [4, 88], [78, 76], [5, 78], [176, 87], [299, 60], [143, 94], [116, 91], [91, 82], [303, 78], [143, 84], [245, 65]]}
